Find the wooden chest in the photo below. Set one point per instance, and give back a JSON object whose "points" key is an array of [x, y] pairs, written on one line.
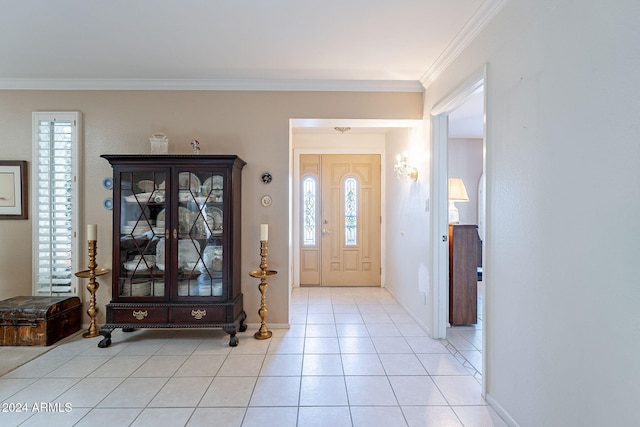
{"points": [[38, 320]]}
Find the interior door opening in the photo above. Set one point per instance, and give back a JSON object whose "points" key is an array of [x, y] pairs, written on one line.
{"points": [[465, 166], [446, 115]]}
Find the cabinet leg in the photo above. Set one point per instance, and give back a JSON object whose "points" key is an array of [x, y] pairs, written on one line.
{"points": [[231, 330], [243, 325], [106, 333], [233, 341]]}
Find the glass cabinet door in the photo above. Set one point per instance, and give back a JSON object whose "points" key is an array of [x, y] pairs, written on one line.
{"points": [[201, 225], [143, 228]]}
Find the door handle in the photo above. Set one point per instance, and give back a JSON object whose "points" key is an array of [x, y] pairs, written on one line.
{"points": [[325, 228]]}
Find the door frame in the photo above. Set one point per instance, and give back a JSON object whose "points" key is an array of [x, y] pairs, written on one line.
{"points": [[294, 199], [439, 218], [296, 202]]}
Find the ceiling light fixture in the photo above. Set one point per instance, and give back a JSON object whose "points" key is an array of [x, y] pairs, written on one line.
{"points": [[342, 129]]}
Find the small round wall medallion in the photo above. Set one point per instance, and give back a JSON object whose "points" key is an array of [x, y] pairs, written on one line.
{"points": [[265, 201], [266, 177], [108, 203], [108, 183]]}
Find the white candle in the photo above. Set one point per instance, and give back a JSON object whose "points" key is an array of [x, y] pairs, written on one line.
{"points": [[264, 232], [92, 231]]}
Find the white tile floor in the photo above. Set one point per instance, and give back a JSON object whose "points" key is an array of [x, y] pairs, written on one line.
{"points": [[352, 357], [465, 342]]}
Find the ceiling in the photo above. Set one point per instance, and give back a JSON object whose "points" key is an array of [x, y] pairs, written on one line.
{"points": [[352, 45], [254, 44]]}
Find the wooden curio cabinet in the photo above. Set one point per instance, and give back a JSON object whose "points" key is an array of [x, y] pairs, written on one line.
{"points": [[464, 251], [176, 243]]}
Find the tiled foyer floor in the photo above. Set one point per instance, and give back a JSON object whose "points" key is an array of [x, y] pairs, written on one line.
{"points": [[465, 342], [352, 357]]}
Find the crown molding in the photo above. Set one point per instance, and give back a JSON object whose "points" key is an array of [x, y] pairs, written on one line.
{"points": [[485, 13], [215, 85]]}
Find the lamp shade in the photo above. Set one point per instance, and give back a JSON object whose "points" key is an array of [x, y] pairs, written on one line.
{"points": [[457, 190]]}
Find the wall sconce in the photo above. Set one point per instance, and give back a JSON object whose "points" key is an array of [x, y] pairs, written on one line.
{"points": [[457, 193], [404, 170]]}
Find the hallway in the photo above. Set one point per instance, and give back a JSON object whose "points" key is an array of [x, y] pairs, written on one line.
{"points": [[352, 357]]}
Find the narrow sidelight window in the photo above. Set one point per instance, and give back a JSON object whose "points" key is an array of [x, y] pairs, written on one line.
{"points": [[350, 211], [309, 201]]}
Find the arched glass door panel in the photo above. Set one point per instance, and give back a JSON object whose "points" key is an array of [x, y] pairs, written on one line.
{"points": [[350, 211]]}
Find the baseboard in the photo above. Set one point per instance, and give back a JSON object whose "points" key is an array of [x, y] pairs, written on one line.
{"points": [[85, 327], [269, 326], [501, 411], [418, 321]]}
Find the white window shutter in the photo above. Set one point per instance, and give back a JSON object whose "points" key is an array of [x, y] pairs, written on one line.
{"points": [[55, 169]]}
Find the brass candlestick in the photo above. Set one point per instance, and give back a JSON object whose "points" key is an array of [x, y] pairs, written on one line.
{"points": [[93, 286], [262, 274]]}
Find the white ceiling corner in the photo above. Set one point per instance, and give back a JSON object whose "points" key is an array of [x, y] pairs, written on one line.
{"points": [[328, 45], [480, 19]]}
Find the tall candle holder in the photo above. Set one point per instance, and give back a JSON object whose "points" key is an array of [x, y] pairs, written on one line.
{"points": [[262, 274], [93, 286]]}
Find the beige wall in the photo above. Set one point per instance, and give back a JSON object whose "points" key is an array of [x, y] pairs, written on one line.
{"points": [[254, 125]]}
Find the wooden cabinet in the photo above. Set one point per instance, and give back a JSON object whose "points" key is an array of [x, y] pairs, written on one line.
{"points": [[464, 253], [176, 243]]}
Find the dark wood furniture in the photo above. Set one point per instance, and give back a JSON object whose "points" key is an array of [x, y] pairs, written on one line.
{"points": [[176, 243], [40, 320], [464, 252]]}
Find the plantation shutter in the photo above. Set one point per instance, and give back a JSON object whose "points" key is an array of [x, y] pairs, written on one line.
{"points": [[55, 184]]}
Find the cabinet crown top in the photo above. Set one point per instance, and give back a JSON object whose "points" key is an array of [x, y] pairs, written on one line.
{"points": [[167, 159]]}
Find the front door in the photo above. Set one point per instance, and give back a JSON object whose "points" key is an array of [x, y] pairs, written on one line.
{"points": [[340, 226]]}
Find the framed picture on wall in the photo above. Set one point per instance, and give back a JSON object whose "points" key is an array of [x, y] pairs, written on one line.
{"points": [[13, 189]]}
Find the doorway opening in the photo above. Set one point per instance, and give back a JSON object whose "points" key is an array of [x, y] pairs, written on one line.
{"points": [[458, 155], [321, 137], [466, 166]]}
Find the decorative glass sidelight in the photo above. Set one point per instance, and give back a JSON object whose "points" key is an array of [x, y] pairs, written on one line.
{"points": [[350, 211], [309, 203]]}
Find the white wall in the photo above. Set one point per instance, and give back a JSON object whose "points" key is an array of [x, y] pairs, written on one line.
{"points": [[465, 162], [407, 226], [563, 156]]}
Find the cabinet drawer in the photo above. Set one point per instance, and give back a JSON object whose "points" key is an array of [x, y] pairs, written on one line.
{"points": [[194, 314], [140, 315]]}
